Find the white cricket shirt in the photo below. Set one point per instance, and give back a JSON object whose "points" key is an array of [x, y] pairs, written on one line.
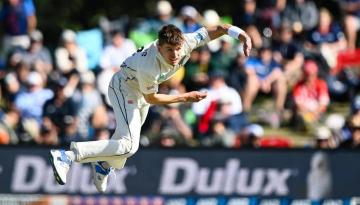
{"points": [[145, 70]]}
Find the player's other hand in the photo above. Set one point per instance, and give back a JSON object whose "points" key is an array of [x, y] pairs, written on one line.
{"points": [[195, 96], [247, 43]]}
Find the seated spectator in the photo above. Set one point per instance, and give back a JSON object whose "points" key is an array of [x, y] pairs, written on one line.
{"points": [[30, 102], [189, 17], [197, 68], [302, 15], [69, 57], [89, 102], [163, 16], [112, 58], [249, 137], [237, 79], [17, 19], [248, 17], [352, 21], [324, 138], [327, 39], [222, 59], [288, 53], [9, 123], [223, 103], [218, 89], [60, 112], [265, 75], [37, 55], [115, 53], [311, 97]]}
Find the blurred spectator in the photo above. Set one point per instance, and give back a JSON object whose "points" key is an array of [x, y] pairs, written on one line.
{"points": [[354, 128], [211, 19], [9, 122], [289, 54], [219, 90], [323, 137], [115, 53], [249, 137], [90, 101], [61, 113], [302, 15], [269, 13], [197, 68], [237, 79], [336, 123], [11, 86], [30, 102], [218, 135], [222, 59], [163, 16], [326, 39], [69, 56], [47, 137], [247, 17], [37, 55], [112, 57], [311, 98], [352, 21], [223, 102], [18, 18], [265, 75], [189, 17]]}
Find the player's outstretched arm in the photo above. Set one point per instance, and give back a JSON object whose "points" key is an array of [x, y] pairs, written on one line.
{"points": [[233, 31], [163, 99]]}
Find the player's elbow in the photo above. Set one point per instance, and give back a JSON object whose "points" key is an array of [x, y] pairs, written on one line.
{"points": [[151, 99]]}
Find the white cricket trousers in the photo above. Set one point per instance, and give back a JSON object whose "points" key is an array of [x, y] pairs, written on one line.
{"points": [[130, 112]]}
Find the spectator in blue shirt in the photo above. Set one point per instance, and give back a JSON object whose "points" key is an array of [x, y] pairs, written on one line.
{"points": [[30, 103], [17, 18], [265, 75]]}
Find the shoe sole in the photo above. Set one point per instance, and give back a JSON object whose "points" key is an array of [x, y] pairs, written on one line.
{"points": [[56, 174]]}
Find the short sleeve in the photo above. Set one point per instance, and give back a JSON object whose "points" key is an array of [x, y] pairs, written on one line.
{"points": [[197, 38], [29, 7]]}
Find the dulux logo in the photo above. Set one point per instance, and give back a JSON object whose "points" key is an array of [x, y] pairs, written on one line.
{"points": [[183, 176], [42, 178]]}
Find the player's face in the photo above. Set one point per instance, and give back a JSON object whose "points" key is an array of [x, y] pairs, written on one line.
{"points": [[171, 53]]}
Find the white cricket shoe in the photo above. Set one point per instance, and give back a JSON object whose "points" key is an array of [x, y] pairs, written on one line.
{"points": [[61, 164], [100, 176]]}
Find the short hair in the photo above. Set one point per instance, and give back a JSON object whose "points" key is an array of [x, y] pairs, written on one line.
{"points": [[170, 34]]}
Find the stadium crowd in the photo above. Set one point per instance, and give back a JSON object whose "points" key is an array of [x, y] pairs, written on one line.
{"points": [[302, 62]]}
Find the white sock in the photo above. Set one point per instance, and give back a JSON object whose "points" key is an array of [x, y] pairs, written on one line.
{"points": [[70, 154]]}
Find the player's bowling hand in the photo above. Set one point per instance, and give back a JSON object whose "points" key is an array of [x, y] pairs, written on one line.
{"points": [[247, 43], [195, 96]]}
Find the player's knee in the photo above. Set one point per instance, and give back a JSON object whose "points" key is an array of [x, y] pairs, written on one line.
{"points": [[131, 148]]}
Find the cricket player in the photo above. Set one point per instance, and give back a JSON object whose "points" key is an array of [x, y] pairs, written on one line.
{"points": [[131, 92]]}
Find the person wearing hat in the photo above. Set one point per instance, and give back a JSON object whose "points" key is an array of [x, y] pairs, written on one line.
{"points": [[69, 57], [189, 16], [131, 92], [30, 102], [311, 96], [323, 138], [163, 15], [37, 55]]}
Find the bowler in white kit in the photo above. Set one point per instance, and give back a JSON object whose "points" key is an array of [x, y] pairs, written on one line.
{"points": [[131, 92]]}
